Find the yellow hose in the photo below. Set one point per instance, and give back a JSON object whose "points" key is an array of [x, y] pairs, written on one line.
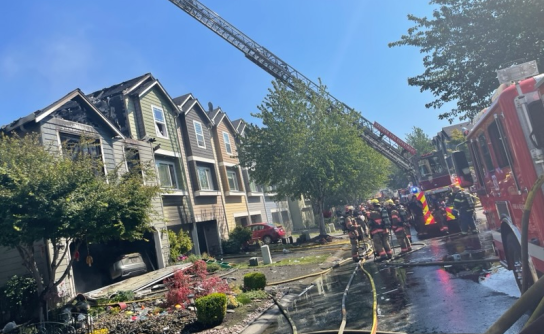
{"points": [[374, 297]]}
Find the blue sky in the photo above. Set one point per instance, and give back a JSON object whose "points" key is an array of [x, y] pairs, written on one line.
{"points": [[49, 48]]}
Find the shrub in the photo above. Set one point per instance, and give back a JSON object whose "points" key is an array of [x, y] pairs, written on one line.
{"points": [[213, 267], [230, 246], [180, 244], [178, 288], [198, 269], [243, 299], [254, 281], [211, 309], [246, 297], [21, 296]]}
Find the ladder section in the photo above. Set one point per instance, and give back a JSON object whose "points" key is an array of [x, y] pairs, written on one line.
{"points": [[287, 74]]}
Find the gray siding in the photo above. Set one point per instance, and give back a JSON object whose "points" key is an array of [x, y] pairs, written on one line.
{"points": [[12, 263], [193, 148], [50, 128], [175, 209]]}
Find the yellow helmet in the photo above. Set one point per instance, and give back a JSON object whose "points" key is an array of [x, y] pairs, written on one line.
{"points": [[389, 202], [375, 201]]}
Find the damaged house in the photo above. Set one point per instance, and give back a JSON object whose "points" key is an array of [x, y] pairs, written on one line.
{"points": [[143, 110], [68, 120]]}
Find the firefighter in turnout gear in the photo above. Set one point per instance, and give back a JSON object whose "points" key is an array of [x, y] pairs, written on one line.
{"points": [[397, 226], [379, 223], [464, 203], [353, 233], [405, 218]]}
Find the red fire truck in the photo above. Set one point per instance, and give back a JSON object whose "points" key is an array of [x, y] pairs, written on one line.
{"points": [[507, 145]]}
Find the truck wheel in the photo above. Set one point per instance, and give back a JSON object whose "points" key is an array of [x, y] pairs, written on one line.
{"points": [[513, 257]]}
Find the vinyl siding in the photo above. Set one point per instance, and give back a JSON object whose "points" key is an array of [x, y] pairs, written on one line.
{"points": [[51, 127], [11, 264], [189, 119], [222, 154], [155, 97], [131, 115]]}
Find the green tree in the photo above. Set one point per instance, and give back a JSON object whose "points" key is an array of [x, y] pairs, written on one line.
{"points": [[306, 146], [466, 41], [63, 199], [422, 143]]}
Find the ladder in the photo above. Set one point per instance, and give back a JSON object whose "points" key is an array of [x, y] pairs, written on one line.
{"points": [[282, 71]]}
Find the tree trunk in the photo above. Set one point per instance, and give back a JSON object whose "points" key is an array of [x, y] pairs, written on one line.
{"points": [[321, 204]]}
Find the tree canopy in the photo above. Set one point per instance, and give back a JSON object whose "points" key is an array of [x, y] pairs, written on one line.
{"points": [[309, 146], [466, 41], [65, 198]]}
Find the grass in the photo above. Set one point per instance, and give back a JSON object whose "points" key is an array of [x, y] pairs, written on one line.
{"points": [[291, 262]]}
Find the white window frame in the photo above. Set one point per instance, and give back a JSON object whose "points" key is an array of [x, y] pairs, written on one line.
{"points": [[231, 175], [226, 140], [175, 184], [199, 134], [208, 173], [156, 122]]}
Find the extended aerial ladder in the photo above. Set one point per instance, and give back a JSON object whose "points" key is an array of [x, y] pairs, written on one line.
{"points": [[282, 71]]}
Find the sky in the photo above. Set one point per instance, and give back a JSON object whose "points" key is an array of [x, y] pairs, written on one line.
{"points": [[49, 48]]}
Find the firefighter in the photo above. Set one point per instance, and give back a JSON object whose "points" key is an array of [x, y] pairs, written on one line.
{"points": [[405, 217], [464, 203], [353, 233], [397, 226], [379, 223]]}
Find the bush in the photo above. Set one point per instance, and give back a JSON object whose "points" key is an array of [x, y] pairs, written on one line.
{"points": [[246, 297], [180, 244], [230, 247], [211, 309], [213, 267], [254, 281], [198, 269], [21, 298]]}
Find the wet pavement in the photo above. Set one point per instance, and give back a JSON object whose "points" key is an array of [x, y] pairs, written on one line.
{"points": [[456, 299]]}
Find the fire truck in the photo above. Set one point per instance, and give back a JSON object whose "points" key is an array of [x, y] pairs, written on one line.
{"points": [[435, 176], [506, 144]]}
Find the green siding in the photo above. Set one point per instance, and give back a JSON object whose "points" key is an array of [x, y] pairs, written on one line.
{"points": [[155, 97], [131, 117]]}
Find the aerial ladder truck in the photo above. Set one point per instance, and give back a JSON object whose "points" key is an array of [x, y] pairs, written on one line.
{"points": [[377, 137]]}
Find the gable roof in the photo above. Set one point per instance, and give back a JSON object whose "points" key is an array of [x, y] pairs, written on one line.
{"points": [[136, 86], [239, 125], [187, 102], [219, 116], [39, 115]]}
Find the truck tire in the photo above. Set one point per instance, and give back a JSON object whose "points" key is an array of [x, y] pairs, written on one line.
{"points": [[513, 256]]}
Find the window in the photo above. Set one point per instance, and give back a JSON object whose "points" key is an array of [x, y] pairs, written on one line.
{"points": [[497, 145], [199, 134], [160, 122], [204, 178], [226, 139], [485, 152], [477, 163], [76, 147], [233, 180], [167, 174], [254, 188], [132, 159]]}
